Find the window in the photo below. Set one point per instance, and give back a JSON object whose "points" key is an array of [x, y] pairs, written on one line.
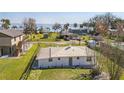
{"points": [[14, 39], [89, 59], [58, 58], [50, 59], [78, 58]]}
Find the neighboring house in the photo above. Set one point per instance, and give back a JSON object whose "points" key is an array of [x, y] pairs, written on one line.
{"points": [[70, 56], [73, 33], [120, 45], [80, 31], [69, 36], [115, 32], [11, 42]]}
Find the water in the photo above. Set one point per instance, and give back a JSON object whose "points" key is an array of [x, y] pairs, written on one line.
{"points": [[45, 26]]}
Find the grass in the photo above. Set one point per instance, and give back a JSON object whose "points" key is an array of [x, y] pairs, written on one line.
{"points": [[104, 62], [86, 38], [52, 37], [35, 37], [12, 69], [39, 37], [57, 74], [44, 45]]}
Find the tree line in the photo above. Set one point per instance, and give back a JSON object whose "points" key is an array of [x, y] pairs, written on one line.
{"points": [[100, 23]]}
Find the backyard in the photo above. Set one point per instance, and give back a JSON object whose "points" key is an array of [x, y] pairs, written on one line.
{"points": [[12, 68], [52, 37], [39, 37], [57, 74]]}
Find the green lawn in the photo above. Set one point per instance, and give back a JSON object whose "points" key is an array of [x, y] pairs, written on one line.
{"points": [[57, 74], [12, 69], [39, 37], [86, 37]]}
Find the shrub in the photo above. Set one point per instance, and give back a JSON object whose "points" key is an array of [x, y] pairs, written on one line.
{"points": [[95, 71]]}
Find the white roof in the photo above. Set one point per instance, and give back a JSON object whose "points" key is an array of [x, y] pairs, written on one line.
{"points": [[70, 51]]}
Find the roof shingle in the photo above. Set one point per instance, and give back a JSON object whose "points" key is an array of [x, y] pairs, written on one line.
{"points": [[12, 33], [70, 51]]}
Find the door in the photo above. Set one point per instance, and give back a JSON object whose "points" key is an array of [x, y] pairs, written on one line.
{"points": [[70, 61]]}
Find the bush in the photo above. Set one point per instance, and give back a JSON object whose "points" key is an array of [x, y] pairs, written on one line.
{"points": [[95, 71]]}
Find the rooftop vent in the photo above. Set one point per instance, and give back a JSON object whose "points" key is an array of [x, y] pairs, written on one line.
{"points": [[67, 48]]}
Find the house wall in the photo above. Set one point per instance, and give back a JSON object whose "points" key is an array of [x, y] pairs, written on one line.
{"points": [[9, 41], [0, 51], [64, 62], [26, 46], [5, 41], [55, 62], [15, 41], [8, 44], [82, 61]]}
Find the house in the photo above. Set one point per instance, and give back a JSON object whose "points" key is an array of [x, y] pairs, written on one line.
{"points": [[11, 42], [69, 36], [74, 33], [80, 31], [70, 56], [115, 32]]}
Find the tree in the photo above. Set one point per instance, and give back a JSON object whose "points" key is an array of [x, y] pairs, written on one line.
{"points": [[29, 25], [85, 24], [114, 59], [103, 22], [48, 29], [40, 29], [20, 26], [56, 26], [75, 25], [5, 23], [120, 33], [14, 27], [114, 56], [81, 25], [66, 26], [101, 27]]}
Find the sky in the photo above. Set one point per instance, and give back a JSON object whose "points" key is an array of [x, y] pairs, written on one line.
{"points": [[53, 17]]}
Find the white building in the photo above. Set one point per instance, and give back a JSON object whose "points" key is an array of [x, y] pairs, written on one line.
{"points": [[71, 56]]}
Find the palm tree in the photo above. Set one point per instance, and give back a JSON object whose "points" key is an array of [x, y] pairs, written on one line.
{"points": [[75, 25], [14, 27], [5, 23], [48, 29], [57, 26], [81, 25], [66, 26]]}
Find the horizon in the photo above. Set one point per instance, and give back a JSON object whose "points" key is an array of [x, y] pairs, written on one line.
{"points": [[54, 17]]}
